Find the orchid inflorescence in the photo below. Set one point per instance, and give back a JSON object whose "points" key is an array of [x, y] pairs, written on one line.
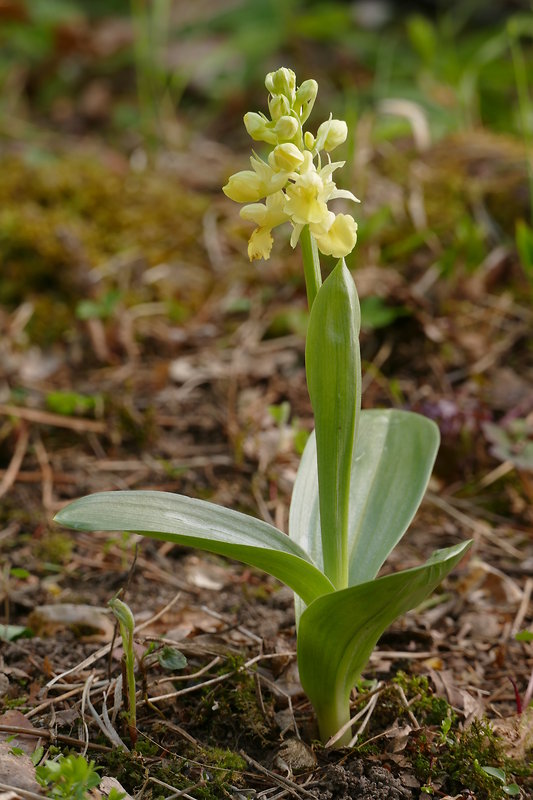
{"points": [[294, 184]]}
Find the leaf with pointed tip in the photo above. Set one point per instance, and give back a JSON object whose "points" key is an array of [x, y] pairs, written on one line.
{"points": [[392, 462], [197, 523], [333, 367], [338, 632]]}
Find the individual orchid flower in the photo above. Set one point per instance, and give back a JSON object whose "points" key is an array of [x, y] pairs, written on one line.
{"points": [[251, 185], [339, 238], [308, 194], [266, 215]]}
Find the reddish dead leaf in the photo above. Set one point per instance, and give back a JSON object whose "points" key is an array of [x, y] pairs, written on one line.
{"points": [[16, 719]]}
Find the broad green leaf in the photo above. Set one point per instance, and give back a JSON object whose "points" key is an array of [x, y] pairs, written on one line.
{"points": [[392, 462], [333, 366], [338, 632], [197, 523], [8, 633], [513, 790], [495, 772], [171, 658]]}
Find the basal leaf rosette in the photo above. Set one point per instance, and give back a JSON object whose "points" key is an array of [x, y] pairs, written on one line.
{"points": [[293, 185]]}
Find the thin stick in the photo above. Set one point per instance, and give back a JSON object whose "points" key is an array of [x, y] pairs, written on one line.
{"points": [[294, 788], [240, 628], [190, 689], [74, 690], [108, 731], [371, 707], [406, 704], [371, 703], [474, 525], [25, 793], [10, 475], [47, 474], [57, 420], [177, 792], [51, 737], [523, 608], [216, 660]]}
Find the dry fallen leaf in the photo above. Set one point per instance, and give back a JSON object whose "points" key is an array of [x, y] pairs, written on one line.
{"points": [[90, 622], [295, 756], [517, 732], [106, 784], [17, 770], [205, 574], [190, 621], [15, 719], [492, 582], [399, 736], [461, 700]]}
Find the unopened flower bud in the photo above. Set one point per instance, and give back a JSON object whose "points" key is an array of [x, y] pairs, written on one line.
{"points": [[282, 81], [259, 128], [286, 128], [278, 106], [331, 134], [123, 614], [309, 140], [305, 98], [244, 187], [287, 157]]}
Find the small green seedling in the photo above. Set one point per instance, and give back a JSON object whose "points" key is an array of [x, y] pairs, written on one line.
{"points": [[126, 624], [71, 778], [363, 473], [98, 309], [445, 726], [71, 403]]}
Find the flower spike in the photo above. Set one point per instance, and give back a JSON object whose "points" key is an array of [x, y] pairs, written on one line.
{"points": [[293, 182]]}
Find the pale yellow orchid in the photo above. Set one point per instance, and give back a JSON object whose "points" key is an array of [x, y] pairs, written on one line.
{"points": [[339, 239], [250, 185], [297, 190]]}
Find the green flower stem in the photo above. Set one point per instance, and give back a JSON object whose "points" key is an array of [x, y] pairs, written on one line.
{"points": [[130, 675], [313, 275]]}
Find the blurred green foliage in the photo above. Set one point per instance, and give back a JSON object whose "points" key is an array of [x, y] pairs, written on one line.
{"points": [[173, 72], [458, 70]]}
